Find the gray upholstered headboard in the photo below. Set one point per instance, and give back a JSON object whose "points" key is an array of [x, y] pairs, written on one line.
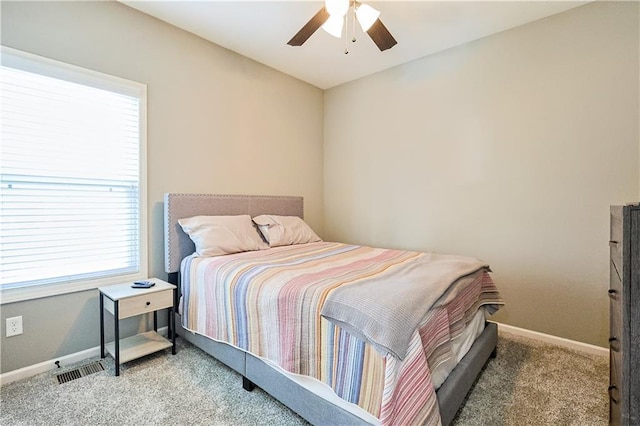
{"points": [[178, 245]]}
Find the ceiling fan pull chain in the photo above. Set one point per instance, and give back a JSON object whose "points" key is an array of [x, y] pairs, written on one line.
{"points": [[353, 23], [346, 34]]}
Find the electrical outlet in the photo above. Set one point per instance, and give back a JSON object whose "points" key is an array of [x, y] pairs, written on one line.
{"points": [[14, 326]]}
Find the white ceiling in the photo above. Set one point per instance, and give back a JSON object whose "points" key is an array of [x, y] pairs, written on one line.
{"points": [[260, 30]]}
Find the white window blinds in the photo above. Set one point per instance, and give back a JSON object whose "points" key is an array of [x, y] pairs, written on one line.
{"points": [[70, 170]]}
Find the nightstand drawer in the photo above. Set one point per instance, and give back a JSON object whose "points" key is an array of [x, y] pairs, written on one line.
{"points": [[148, 302], [143, 303]]}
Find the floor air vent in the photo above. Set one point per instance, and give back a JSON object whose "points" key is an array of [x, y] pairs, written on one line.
{"points": [[82, 371]]}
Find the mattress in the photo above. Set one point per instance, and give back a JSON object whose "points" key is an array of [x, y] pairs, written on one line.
{"points": [[246, 300]]}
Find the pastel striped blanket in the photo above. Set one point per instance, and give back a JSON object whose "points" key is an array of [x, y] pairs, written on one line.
{"points": [[269, 302]]}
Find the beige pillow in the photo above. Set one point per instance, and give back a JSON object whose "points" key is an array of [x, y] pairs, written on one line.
{"points": [[218, 235], [285, 230]]}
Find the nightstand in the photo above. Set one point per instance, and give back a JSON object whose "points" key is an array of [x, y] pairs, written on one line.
{"points": [[123, 301]]}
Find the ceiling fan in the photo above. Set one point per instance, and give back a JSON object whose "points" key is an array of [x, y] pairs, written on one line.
{"points": [[333, 16]]}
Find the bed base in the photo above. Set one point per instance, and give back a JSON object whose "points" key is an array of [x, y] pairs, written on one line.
{"points": [[456, 387], [318, 411]]}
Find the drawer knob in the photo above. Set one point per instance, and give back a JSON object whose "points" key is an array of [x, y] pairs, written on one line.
{"points": [[611, 389], [613, 347], [148, 303], [612, 293]]}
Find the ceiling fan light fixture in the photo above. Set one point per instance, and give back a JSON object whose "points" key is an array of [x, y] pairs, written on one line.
{"points": [[333, 26], [337, 8], [332, 17], [366, 15]]}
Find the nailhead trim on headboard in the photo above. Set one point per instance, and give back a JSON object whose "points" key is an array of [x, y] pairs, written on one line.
{"points": [[177, 244]]}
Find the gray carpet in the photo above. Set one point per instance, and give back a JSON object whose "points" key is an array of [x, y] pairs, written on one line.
{"points": [[534, 383], [528, 383]]}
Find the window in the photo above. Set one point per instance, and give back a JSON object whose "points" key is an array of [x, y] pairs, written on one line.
{"points": [[72, 186]]}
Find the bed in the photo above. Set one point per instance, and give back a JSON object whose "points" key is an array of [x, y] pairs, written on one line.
{"points": [[316, 393]]}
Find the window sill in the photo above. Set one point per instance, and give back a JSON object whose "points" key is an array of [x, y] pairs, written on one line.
{"points": [[14, 295]]}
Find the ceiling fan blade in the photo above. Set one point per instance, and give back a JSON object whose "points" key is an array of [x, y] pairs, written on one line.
{"points": [[309, 28], [381, 36]]}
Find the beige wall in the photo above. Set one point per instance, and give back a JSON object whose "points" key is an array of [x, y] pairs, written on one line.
{"points": [[217, 123], [510, 149]]}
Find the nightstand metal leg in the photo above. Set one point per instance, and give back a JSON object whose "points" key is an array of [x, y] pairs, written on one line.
{"points": [[101, 325], [116, 328], [172, 329]]}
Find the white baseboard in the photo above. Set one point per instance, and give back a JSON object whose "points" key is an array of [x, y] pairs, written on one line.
{"points": [[32, 370], [555, 340]]}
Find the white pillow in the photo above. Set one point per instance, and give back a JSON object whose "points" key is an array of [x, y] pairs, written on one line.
{"points": [[217, 235], [285, 230]]}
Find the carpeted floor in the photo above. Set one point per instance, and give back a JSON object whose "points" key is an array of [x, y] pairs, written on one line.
{"points": [[529, 383], [534, 383]]}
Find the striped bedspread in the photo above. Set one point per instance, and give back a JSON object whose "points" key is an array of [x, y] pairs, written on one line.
{"points": [[268, 303]]}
